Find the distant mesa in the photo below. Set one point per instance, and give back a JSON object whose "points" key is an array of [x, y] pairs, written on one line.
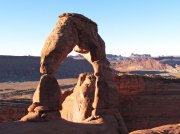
{"points": [[77, 57], [140, 55], [26, 68], [144, 64], [101, 102]]}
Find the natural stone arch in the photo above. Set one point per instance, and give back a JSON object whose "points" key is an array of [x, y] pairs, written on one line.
{"points": [[78, 33]]}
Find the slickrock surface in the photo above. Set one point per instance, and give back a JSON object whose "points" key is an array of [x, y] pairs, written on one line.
{"points": [[167, 129], [106, 125]]}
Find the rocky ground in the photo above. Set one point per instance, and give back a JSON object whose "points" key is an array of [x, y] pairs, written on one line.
{"points": [[61, 127], [166, 129], [66, 127], [102, 102], [15, 97], [20, 93], [145, 102]]}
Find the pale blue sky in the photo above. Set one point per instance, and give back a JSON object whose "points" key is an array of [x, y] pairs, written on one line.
{"points": [[127, 26]]}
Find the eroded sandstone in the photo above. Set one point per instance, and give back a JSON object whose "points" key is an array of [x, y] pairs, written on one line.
{"points": [[46, 101], [76, 32], [144, 102]]}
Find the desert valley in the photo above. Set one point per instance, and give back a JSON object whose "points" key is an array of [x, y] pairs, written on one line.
{"points": [[92, 92], [149, 87]]}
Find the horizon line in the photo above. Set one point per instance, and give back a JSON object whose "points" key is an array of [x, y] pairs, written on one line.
{"points": [[80, 54]]}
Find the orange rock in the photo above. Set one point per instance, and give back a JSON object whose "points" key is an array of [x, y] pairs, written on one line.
{"points": [[94, 95], [77, 32], [140, 64], [46, 100], [77, 107], [166, 129]]}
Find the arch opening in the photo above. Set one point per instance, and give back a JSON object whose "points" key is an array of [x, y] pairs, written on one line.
{"points": [[80, 34]]}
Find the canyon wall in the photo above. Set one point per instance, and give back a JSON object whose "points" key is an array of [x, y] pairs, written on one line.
{"points": [[148, 102], [145, 102]]}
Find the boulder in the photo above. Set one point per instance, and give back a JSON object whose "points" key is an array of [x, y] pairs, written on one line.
{"points": [[78, 106], [46, 101]]}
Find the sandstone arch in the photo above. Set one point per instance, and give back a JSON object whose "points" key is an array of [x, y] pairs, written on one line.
{"points": [[78, 33]]}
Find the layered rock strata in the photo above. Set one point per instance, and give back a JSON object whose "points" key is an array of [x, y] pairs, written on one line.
{"points": [[144, 102], [147, 102]]}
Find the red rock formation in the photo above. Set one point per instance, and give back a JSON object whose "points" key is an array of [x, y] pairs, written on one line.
{"points": [[167, 129], [95, 99], [108, 125], [144, 102], [148, 102], [78, 33], [147, 64], [177, 67], [77, 107], [12, 113], [46, 101]]}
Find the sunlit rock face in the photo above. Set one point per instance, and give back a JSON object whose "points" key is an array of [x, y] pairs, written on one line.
{"points": [[144, 102], [46, 101], [77, 32], [147, 102], [95, 95]]}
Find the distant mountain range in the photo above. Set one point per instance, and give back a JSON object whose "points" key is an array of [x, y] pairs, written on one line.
{"points": [[170, 60], [26, 68], [136, 64]]}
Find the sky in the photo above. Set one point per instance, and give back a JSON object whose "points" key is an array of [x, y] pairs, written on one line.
{"points": [[126, 26]]}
